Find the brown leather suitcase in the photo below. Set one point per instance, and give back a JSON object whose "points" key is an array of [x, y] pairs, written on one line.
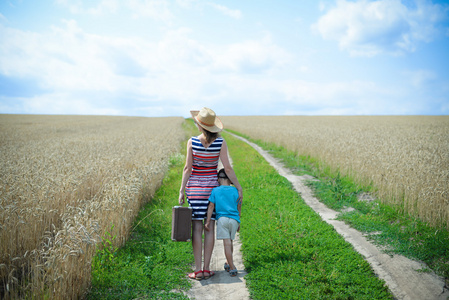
{"points": [[181, 229]]}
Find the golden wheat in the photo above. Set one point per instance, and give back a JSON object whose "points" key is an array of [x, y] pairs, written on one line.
{"points": [[405, 157], [64, 181]]}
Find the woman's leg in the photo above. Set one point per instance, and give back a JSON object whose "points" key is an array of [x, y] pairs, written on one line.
{"points": [[209, 242], [197, 241]]}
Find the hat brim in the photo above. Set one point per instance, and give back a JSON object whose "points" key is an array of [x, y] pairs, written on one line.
{"points": [[218, 126]]}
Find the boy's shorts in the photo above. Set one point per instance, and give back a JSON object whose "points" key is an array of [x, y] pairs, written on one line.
{"points": [[226, 228]]}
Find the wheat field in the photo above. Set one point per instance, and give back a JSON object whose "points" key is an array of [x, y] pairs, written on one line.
{"points": [[64, 182], [405, 157]]}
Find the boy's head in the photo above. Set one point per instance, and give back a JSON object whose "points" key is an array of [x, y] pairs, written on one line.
{"points": [[223, 178]]}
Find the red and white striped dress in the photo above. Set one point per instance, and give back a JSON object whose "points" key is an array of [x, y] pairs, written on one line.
{"points": [[204, 176]]}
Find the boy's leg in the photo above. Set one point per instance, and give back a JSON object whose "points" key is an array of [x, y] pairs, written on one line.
{"points": [[227, 266], [228, 249]]}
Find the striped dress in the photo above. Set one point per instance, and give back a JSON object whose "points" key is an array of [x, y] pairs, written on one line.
{"points": [[204, 176]]}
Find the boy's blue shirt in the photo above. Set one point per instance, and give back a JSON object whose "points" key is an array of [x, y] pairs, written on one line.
{"points": [[225, 198]]}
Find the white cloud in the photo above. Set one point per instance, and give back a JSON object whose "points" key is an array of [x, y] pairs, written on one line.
{"points": [[78, 71], [65, 58], [186, 3], [233, 13], [176, 48], [249, 95], [155, 9], [369, 28], [78, 7], [3, 18], [76, 67], [251, 56], [63, 103], [104, 7], [307, 92], [200, 4], [420, 77], [342, 98]]}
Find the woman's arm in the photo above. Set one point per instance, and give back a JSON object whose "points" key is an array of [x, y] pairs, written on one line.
{"points": [[229, 170], [186, 172]]}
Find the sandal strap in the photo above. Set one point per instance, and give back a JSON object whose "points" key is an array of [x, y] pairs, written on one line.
{"points": [[194, 275], [210, 272]]}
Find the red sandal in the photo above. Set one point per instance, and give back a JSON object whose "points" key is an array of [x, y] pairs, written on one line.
{"points": [[194, 275], [209, 274]]}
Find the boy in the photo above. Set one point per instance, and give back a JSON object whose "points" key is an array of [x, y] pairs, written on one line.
{"points": [[224, 199]]}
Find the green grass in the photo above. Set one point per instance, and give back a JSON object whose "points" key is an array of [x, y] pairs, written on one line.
{"points": [[288, 251], [150, 265], [386, 225]]}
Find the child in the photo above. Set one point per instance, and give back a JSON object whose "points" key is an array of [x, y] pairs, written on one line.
{"points": [[224, 199]]}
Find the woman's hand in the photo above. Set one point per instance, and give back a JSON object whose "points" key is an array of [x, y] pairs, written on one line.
{"points": [[181, 199]]}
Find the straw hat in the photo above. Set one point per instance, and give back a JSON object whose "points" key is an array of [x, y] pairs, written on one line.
{"points": [[207, 119]]}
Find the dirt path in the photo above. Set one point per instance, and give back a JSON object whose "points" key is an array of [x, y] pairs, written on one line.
{"points": [[398, 271], [221, 285]]}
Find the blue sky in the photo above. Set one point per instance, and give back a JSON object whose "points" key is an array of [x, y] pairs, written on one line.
{"points": [[164, 58]]}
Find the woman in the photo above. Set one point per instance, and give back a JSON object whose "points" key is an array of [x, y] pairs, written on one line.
{"points": [[199, 178]]}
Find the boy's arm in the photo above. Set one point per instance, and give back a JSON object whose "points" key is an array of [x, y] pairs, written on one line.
{"points": [[210, 210]]}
